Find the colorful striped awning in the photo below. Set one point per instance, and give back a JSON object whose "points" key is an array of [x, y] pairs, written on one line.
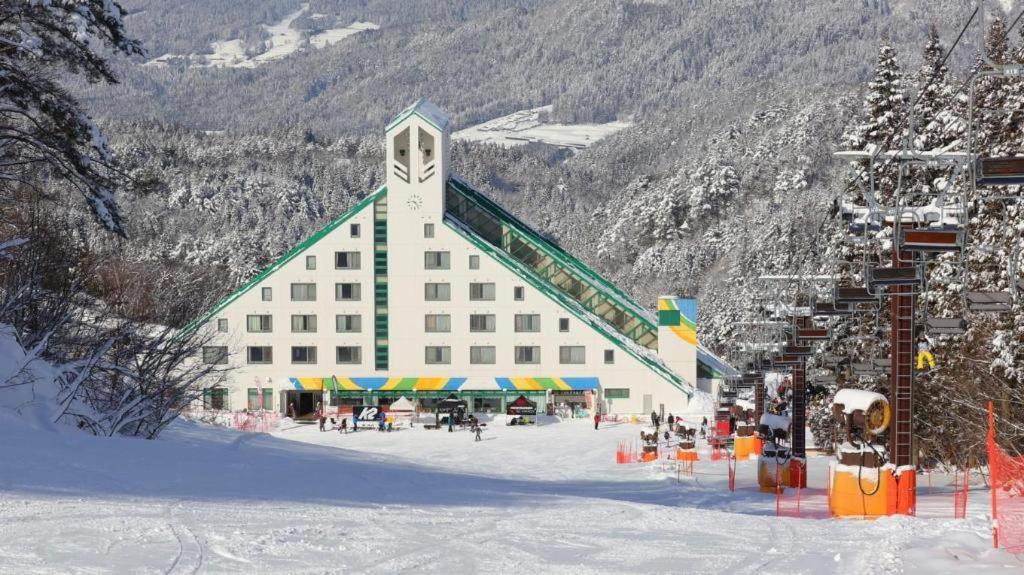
{"points": [[443, 383], [543, 383]]}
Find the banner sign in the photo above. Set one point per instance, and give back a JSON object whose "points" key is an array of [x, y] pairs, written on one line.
{"points": [[366, 412]]}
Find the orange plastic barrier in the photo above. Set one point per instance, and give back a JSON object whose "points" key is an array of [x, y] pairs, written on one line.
{"points": [[1007, 484], [686, 455], [746, 446]]}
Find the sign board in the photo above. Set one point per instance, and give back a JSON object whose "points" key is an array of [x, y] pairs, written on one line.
{"points": [[366, 412]]}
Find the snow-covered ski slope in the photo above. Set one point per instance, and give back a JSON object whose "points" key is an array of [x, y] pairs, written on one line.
{"points": [[524, 500], [526, 126]]}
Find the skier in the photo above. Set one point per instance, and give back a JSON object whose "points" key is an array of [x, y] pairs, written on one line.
{"points": [[597, 420], [344, 426], [381, 418], [671, 421], [451, 421], [704, 427], [477, 429], [924, 353], [320, 415], [355, 422], [654, 420]]}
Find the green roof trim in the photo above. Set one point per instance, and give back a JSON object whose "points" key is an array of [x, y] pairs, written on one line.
{"points": [[641, 353], [287, 257]]}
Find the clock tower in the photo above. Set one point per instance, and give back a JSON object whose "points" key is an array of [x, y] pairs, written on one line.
{"points": [[417, 164]]}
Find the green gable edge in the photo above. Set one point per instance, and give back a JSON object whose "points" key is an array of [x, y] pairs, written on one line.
{"points": [[410, 111], [287, 257], [571, 305]]}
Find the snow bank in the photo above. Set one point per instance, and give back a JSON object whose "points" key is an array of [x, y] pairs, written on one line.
{"points": [[857, 399]]}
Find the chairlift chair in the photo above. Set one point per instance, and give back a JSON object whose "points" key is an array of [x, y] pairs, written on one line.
{"points": [[811, 334], [989, 301], [999, 171], [888, 276], [798, 350], [931, 240], [946, 326], [788, 359], [882, 364], [853, 295], [825, 308]]}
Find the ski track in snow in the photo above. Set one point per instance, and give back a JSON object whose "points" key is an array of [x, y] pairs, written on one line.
{"points": [[525, 126], [549, 499]]}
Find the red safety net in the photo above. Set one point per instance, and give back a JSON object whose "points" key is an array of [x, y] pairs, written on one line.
{"points": [[787, 503], [961, 490], [259, 421], [1007, 481]]}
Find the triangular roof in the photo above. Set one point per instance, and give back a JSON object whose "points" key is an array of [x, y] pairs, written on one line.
{"points": [[401, 404], [425, 109]]}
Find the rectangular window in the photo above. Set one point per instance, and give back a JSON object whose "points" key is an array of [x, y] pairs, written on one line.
{"points": [[259, 323], [563, 324], [438, 354], [439, 323], [254, 399], [303, 292], [572, 354], [347, 292], [518, 293], [215, 398], [481, 322], [346, 260], [609, 356], [527, 354], [527, 322], [259, 354], [310, 262], [482, 354], [474, 262], [438, 292], [481, 292], [267, 294], [303, 324], [215, 354], [353, 230], [222, 325], [348, 323], [428, 230], [613, 393], [436, 260], [349, 354], [303, 354]]}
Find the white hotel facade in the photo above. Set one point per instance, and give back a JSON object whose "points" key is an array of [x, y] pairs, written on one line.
{"points": [[426, 288]]}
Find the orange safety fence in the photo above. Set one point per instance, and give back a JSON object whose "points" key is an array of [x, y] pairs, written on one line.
{"points": [[961, 490], [258, 421], [786, 505], [732, 473], [1007, 484]]}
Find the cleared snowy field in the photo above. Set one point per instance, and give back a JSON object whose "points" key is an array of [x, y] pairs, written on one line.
{"points": [[525, 500], [525, 126], [284, 41]]}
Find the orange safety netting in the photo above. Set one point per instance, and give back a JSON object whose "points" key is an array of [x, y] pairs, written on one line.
{"points": [[1007, 493], [259, 422], [961, 490]]}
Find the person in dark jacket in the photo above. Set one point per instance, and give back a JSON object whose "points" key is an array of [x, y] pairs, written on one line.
{"points": [[654, 420], [597, 420]]}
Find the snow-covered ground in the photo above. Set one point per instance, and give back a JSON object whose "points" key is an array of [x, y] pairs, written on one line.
{"points": [[284, 40], [546, 499], [526, 126]]}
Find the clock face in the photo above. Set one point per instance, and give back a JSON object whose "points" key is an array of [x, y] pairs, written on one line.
{"points": [[414, 202]]}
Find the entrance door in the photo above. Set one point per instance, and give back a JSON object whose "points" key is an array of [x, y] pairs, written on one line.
{"points": [[648, 403]]}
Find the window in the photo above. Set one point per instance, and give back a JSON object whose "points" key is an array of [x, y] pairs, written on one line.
{"points": [[310, 262], [481, 292], [428, 230], [613, 393], [303, 354], [527, 322], [440, 323], [254, 399], [436, 260], [259, 323], [437, 354], [481, 322], [346, 292], [482, 354], [572, 354], [563, 324], [518, 293], [438, 292], [259, 354], [348, 323], [474, 262], [609, 356], [527, 354], [353, 230], [346, 260], [215, 398], [303, 324], [349, 354], [222, 325], [267, 294], [215, 354], [303, 292]]}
